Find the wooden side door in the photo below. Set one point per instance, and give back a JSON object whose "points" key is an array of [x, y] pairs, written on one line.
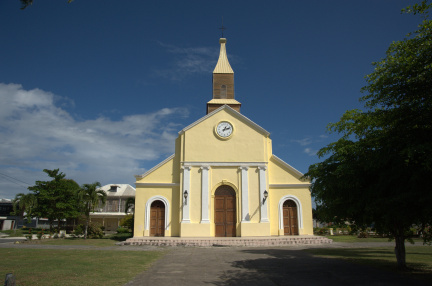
{"points": [[157, 219], [225, 212], [290, 218]]}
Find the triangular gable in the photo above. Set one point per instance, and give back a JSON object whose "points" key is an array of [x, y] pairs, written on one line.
{"points": [[139, 177], [233, 113], [288, 166]]}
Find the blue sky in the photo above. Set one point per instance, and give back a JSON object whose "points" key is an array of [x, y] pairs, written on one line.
{"points": [[100, 89]]}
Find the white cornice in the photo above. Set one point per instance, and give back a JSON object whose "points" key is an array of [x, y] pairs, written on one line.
{"points": [[233, 113], [289, 185], [224, 164], [157, 185], [138, 177]]}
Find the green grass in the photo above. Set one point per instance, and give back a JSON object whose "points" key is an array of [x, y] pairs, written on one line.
{"points": [[354, 238], [74, 267], [418, 258]]}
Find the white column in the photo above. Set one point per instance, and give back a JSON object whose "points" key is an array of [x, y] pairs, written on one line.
{"points": [[186, 187], [205, 202], [244, 195], [262, 189]]}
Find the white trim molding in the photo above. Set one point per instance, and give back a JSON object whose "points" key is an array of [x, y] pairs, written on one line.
{"points": [[289, 185], [205, 199], [225, 164], [156, 185], [147, 211], [245, 217], [299, 211], [186, 187], [262, 189]]}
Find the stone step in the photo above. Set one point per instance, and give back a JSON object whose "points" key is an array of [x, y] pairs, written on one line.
{"points": [[238, 241]]}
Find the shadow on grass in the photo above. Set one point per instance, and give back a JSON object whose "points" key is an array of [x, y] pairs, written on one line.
{"points": [[296, 267]]}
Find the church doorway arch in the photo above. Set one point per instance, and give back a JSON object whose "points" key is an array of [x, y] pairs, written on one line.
{"points": [[290, 220], [157, 218], [225, 211]]}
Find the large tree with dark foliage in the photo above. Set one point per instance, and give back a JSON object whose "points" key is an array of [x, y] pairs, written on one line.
{"points": [[56, 199], [377, 172]]}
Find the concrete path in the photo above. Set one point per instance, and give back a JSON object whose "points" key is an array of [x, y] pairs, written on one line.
{"points": [[259, 266]]}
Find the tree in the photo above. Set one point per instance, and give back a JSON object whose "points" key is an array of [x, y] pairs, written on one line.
{"points": [[56, 199], [130, 208], [24, 205], [376, 172], [26, 3], [90, 197]]}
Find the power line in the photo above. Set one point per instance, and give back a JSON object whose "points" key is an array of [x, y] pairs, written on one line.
{"points": [[14, 180]]}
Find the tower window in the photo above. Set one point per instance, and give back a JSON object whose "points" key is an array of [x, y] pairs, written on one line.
{"points": [[223, 91]]}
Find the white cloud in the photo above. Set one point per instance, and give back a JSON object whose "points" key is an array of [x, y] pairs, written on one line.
{"points": [[304, 141], [189, 61], [37, 134], [310, 151]]}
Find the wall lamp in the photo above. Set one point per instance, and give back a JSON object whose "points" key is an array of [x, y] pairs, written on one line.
{"points": [[185, 194], [265, 196]]}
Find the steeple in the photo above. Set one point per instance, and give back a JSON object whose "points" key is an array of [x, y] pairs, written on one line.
{"points": [[223, 83]]}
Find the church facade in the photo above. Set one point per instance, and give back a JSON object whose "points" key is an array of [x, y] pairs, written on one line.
{"points": [[223, 179]]}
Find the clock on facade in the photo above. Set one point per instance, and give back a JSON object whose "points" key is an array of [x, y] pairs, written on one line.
{"points": [[224, 129]]}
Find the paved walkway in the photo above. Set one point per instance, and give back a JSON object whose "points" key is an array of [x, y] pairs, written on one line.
{"points": [[260, 266]]}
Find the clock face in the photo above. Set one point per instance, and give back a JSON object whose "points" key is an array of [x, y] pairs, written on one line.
{"points": [[224, 129]]}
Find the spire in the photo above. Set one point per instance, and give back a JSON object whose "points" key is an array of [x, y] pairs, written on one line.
{"points": [[223, 83], [223, 65]]}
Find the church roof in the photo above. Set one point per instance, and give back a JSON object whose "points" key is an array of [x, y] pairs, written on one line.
{"points": [[223, 65], [223, 101]]}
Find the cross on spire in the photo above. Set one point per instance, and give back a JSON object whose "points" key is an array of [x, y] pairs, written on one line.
{"points": [[222, 28]]}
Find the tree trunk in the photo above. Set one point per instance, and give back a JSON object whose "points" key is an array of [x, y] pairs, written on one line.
{"points": [[86, 228], [400, 252]]}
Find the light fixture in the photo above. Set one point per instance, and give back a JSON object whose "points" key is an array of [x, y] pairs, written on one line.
{"points": [[185, 194], [265, 196]]}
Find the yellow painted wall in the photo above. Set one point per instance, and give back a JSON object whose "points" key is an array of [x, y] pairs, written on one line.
{"points": [[202, 145], [302, 194]]}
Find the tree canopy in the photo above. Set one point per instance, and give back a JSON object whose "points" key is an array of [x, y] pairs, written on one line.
{"points": [[56, 199], [376, 173], [90, 196], [26, 3]]}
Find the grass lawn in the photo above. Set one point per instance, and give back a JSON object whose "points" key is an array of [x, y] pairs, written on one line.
{"points": [[354, 238], [74, 267], [419, 258]]}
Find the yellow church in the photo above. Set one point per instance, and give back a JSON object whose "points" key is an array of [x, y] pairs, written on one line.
{"points": [[223, 179]]}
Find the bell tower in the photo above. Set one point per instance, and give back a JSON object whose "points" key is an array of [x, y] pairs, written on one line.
{"points": [[223, 83]]}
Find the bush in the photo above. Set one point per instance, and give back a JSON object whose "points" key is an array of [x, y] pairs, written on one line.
{"points": [[79, 230], [127, 221], [363, 234], [122, 230], [321, 230], [94, 230]]}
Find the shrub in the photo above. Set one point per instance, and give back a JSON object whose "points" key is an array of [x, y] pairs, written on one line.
{"points": [[94, 230], [79, 230], [122, 230], [363, 234], [127, 221]]}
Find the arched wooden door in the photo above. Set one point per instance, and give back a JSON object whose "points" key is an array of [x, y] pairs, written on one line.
{"points": [[225, 212], [290, 218], [157, 219]]}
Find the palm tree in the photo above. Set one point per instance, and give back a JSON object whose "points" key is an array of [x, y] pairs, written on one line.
{"points": [[23, 205], [90, 196], [130, 208]]}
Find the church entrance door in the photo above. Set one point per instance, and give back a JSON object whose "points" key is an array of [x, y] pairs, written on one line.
{"points": [[225, 212], [290, 218], [157, 219]]}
